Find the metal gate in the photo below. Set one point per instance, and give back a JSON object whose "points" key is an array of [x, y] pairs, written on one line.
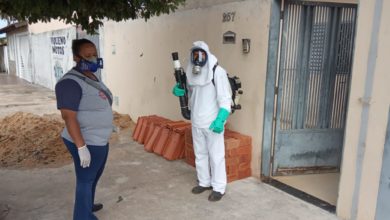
{"points": [[312, 86]]}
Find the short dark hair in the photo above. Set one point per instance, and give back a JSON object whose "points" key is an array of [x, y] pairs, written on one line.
{"points": [[77, 43]]}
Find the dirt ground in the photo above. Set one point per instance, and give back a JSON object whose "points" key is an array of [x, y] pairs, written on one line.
{"points": [[32, 141]]}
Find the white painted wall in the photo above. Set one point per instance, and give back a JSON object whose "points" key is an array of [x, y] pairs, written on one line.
{"points": [[139, 70], [364, 140], [44, 60]]}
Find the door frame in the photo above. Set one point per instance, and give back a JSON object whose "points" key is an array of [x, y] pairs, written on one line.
{"points": [[271, 87], [270, 91]]}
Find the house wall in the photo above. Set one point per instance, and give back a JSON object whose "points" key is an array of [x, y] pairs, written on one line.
{"points": [[52, 55], [33, 44], [139, 69], [367, 115]]}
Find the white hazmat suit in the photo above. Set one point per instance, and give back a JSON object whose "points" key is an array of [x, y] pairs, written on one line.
{"points": [[205, 100]]}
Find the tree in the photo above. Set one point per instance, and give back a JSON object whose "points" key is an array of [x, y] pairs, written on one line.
{"points": [[89, 14]]}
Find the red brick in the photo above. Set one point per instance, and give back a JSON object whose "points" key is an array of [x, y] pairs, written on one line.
{"points": [[159, 123], [238, 153], [244, 166], [150, 132], [153, 122], [247, 150], [190, 161], [232, 169], [174, 124], [191, 158], [142, 132], [182, 154], [232, 161], [189, 147], [138, 127], [231, 153], [175, 143], [174, 146], [232, 178], [244, 139], [149, 145], [188, 135], [162, 122], [182, 129], [160, 143], [190, 154], [244, 173], [245, 158], [231, 143], [148, 126]]}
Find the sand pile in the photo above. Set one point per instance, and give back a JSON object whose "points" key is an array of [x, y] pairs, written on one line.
{"points": [[123, 121], [28, 140], [31, 141]]}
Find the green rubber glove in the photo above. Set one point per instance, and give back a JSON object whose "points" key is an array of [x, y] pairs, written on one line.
{"points": [[177, 91], [218, 124]]}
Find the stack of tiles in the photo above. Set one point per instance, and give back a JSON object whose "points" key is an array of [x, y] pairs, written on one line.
{"points": [[161, 136]]}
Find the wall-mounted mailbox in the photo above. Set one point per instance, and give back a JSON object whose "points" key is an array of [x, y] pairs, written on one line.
{"points": [[229, 37]]}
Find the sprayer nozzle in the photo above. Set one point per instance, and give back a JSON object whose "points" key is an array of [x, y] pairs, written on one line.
{"points": [[175, 56]]}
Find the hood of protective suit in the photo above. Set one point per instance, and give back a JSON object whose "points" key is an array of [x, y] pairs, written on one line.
{"points": [[206, 74]]}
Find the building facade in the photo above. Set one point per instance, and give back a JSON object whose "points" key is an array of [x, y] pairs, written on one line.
{"points": [[314, 76], [315, 98]]}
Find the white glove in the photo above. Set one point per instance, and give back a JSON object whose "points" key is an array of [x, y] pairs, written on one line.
{"points": [[85, 156]]}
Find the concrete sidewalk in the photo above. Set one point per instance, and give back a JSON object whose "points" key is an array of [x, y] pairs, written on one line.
{"points": [[19, 95], [135, 185], [141, 185]]}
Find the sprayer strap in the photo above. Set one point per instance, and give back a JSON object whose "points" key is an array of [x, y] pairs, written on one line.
{"points": [[214, 68], [94, 84]]}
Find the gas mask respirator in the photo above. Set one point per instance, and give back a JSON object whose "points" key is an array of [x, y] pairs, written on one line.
{"points": [[92, 64], [198, 59]]}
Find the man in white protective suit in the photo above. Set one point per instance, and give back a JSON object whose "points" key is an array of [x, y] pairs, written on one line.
{"points": [[210, 101]]}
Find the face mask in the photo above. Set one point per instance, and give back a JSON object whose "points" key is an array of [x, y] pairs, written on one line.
{"points": [[198, 59], [91, 64]]}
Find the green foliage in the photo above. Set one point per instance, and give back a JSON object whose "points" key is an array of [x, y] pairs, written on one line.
{"points": [[86, 13]]}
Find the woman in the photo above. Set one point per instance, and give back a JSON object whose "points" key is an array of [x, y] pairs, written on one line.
{"points": [[85, 105]]}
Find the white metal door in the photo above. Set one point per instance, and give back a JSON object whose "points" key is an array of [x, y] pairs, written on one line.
{"points": [[24, 58]]}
